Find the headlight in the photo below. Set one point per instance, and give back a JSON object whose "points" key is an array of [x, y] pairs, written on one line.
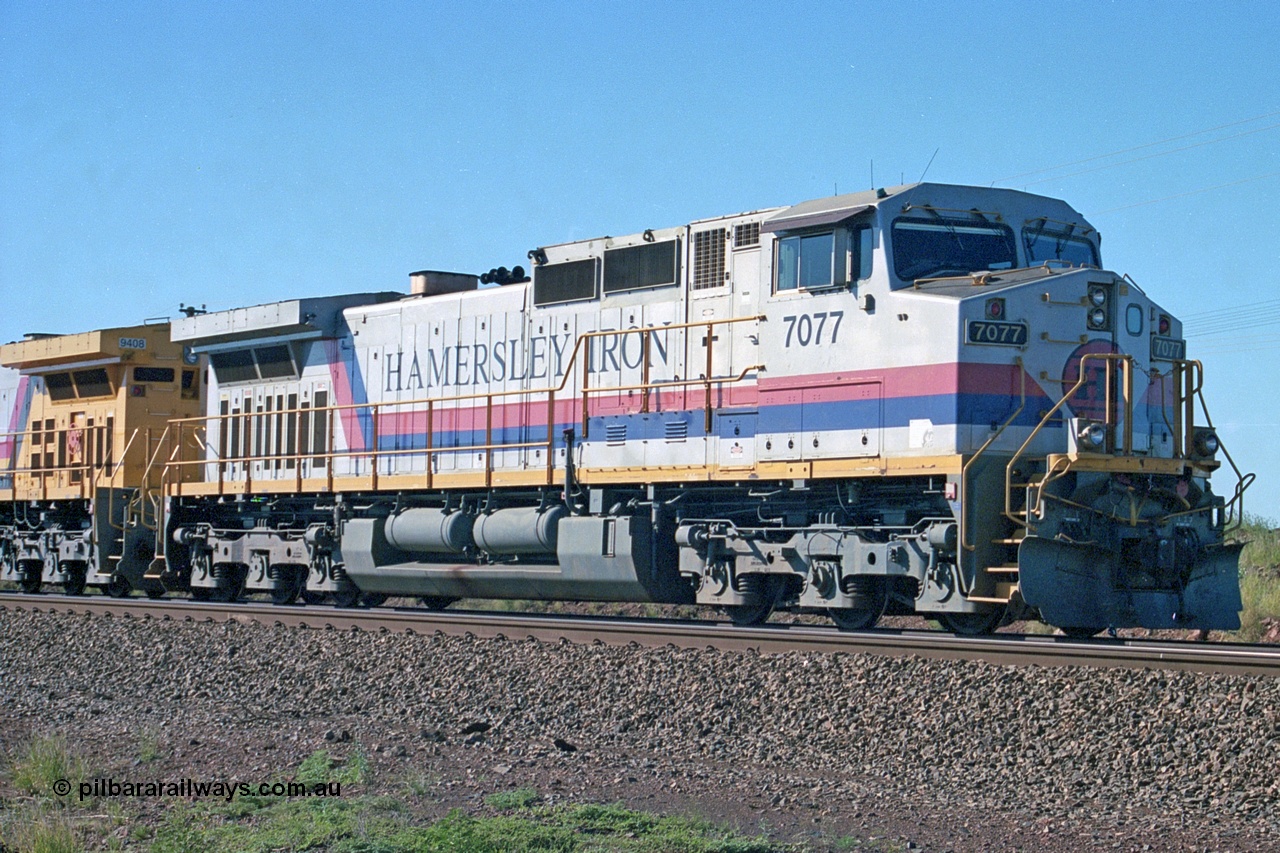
{"points": [[1206, 442], [1098, 296], [1092, 436], [1097, 318]]}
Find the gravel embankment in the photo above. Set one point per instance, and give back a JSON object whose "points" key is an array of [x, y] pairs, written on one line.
{"points": [[944, 755]]}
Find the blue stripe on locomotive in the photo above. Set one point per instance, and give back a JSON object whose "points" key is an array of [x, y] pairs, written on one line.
{"points": [[974, 410]]}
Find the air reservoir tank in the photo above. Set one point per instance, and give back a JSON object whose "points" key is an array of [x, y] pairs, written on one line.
{"points": [[519, 531], [429, 531]]}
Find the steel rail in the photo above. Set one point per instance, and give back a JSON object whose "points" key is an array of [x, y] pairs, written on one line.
{"points": [[1012, 649]]}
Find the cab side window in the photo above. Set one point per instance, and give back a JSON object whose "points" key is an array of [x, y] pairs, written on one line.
{"points": [[812, 261], [806, 261]]}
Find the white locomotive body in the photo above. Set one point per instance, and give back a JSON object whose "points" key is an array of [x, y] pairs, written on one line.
{"points": [[929, 398]]}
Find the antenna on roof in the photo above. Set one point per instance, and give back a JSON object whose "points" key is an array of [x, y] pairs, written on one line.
{"points": [[873, 174], [927, 165]]}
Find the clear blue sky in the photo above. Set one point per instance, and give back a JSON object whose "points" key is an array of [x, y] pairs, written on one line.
{"points": [[232, 153]]}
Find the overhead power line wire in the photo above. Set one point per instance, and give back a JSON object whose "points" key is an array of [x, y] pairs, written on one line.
{"points": [[1235, 320], [1136, 148], [1152, 156], [1251, 309], [1252, 347], [1246, 308], [1233, 330], [1190, 192], [1251, 312]]}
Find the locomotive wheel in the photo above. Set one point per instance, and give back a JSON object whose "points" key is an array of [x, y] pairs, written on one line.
{"points": [[436, 602], [31, 584], [155, 594], [118, 586], [1077, 632], [971, 624], [374, 599], [290, 587], [313, 596], [74, 584], [348, 596], [874, 590], [229, 593], [199, 593], [766, 590]]}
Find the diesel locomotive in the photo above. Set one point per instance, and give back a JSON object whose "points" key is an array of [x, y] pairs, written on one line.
{"points": [[83, 415], [927, 399]]}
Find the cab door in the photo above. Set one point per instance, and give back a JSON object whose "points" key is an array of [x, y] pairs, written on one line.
{"points": [[77, 434], [724, 284]]}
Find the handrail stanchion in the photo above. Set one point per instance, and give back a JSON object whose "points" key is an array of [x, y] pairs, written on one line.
{"points": [[551, 436], [488, 441], [644, 372], [431, 460]]}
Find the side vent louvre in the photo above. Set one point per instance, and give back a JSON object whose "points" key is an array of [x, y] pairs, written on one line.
{"points": [[676, 430], [708, 258], [615, 433], [746, 235]]}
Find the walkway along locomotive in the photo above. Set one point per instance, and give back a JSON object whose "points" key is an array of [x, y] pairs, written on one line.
{"points": [[925, 399], [83, 416]]}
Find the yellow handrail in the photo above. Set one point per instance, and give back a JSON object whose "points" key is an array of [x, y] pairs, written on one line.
{"points": [[376, 411], [1106, 358]]}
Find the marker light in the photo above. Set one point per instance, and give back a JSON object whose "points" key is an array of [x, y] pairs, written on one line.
{"points": [[1165, 324], [1092, 436], [1206, 442]]}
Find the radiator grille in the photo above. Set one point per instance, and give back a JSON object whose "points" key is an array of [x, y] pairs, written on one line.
{"points": [[708, 258]]}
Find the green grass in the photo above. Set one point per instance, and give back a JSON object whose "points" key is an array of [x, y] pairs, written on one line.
{"points": [[34, 828], [318, 768], [41, 822], [379, 825], [420, 784], [149, 747], [1259, 576], [34, 831], [44, 762], [519, 798], [1263, 548]]}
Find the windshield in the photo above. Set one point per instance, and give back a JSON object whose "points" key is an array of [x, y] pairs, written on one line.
{"points": [[929, 248], [1049, 245]]}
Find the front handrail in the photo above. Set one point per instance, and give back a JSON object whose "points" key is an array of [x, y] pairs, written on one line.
{"points": [[1084, 378], [1188, 383], [1235, 507]]}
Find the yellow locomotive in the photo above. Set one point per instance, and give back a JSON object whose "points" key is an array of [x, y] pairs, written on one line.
{"points": [[82, 418]]}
